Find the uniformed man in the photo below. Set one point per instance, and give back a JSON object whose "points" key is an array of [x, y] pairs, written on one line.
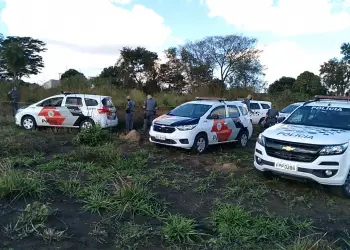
{"points": [[271, 117], [129, 114], [150, 106], [246, 101], [14, 95]]}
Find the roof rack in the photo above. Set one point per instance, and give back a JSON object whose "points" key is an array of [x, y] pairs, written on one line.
{"points": [[211, 99], [329, 97], [68, 93]]}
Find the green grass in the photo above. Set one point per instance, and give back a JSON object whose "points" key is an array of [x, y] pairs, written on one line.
{"points": [[180, 230], [238, 227], [97, 199], [16, 183]]}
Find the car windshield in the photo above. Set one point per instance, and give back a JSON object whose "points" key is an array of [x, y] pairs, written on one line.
{"points": [[289, 109], [327, 117], [192, 110]]}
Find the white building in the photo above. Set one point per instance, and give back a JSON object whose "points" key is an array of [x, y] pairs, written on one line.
{"points": [[51, 84]]}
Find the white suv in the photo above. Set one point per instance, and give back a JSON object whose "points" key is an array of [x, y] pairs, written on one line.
{"points": [[206, 121], [69, 110], [312, 143], [258, 111]]}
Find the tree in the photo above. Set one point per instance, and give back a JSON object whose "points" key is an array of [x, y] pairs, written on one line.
{"points": [[70, 73], [310, 84], [234, 57], [170, 74], [112, 73], [335, 75], [284, 83], [345, 50], [138, 65], [2, 70], [20, 56]]}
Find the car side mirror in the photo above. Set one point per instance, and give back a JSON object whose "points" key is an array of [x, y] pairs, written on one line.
{"points": [[214, 116]]}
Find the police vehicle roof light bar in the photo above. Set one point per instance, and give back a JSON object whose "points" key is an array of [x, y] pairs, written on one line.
{"points": [[68, 93], [211, 99], [325, 97]]}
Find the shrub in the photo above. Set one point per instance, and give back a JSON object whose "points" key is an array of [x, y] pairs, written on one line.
{"points": [[92, 137]]}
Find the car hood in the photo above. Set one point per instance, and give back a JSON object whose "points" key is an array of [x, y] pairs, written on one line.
{"points": [[307, 134], [175, 120]]}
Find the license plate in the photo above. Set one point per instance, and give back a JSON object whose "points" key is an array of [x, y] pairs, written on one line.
{"points": [[286, 166], [160, 137]]}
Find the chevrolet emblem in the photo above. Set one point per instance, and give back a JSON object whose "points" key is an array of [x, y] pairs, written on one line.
{"points": [[287, 148]]}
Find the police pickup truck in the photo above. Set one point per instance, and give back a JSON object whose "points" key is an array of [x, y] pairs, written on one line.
{"points": [[311, 143], [205, 121]]}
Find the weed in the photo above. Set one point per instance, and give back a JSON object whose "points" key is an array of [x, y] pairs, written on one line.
{"points": [[51, 234], [16, 183], [237, 226], [71, 187], [133, 236], [31, 221], [99, 233], [92, 137], [27, 161], [97, 199], [180, 230], [137, 199]]}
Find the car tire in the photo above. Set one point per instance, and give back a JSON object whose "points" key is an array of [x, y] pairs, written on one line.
{"points": [[200, 143], [344, 190], [86, 124], [261, 120], [242, 139], [28, 122]]}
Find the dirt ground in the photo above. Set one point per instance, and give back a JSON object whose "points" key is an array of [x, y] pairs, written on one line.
{"points": [[63, 190]]}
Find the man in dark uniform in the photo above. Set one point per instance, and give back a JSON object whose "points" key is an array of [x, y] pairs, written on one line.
{"points": [[246, 101], [14, 99], [150, 106], [271, 117], [129, 114]]}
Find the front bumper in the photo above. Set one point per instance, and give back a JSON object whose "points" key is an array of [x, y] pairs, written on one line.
{"points": [[18, 120], [181, 139], [314, 171]]}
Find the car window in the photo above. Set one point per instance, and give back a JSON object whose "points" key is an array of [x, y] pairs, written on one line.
{"points": [[74, 101], [107, 102], [90, 102], [327, 117], [254, 106], [289, 109], [220, 111], [192, 110], [52, 102], [265, 106], [233, 111], [243, 110]]}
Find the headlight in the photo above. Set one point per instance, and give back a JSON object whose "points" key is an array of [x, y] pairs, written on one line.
{"points": [[261, 140], [334, 149], [186, 127]]}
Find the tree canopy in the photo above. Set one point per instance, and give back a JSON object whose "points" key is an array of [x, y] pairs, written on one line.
{"points": [[71, 73], [335, 75], [284, 83], [20, 56], [309, 84]]}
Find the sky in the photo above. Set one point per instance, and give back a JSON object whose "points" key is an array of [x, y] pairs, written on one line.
{"points": [[295, 35]]}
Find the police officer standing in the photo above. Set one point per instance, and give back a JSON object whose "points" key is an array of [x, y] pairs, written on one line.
{"points": [[271, 117], [246, 101], [150, 106], [129, 114], [14, 99]]}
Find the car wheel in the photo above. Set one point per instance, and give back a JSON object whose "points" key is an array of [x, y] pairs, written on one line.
{"points": [[200, 143], [346, 187], [28, 122], [87, 124], [261, 120], [242, 139]]}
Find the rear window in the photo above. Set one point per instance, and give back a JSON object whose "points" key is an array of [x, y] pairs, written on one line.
{"points": [[265, 106], [90, 102], [107, 102], [289, 109]]}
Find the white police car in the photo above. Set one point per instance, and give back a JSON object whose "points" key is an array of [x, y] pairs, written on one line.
{"points": [[206, 121], [312, 143], [69, 110]]}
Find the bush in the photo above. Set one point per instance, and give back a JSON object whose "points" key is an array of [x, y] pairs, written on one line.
{"points": [[92, 137]]}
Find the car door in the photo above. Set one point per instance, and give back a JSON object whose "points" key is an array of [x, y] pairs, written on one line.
{"points": [[74, 110], [256, 113], [48, 112], [234, 122], [218, 130]]}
